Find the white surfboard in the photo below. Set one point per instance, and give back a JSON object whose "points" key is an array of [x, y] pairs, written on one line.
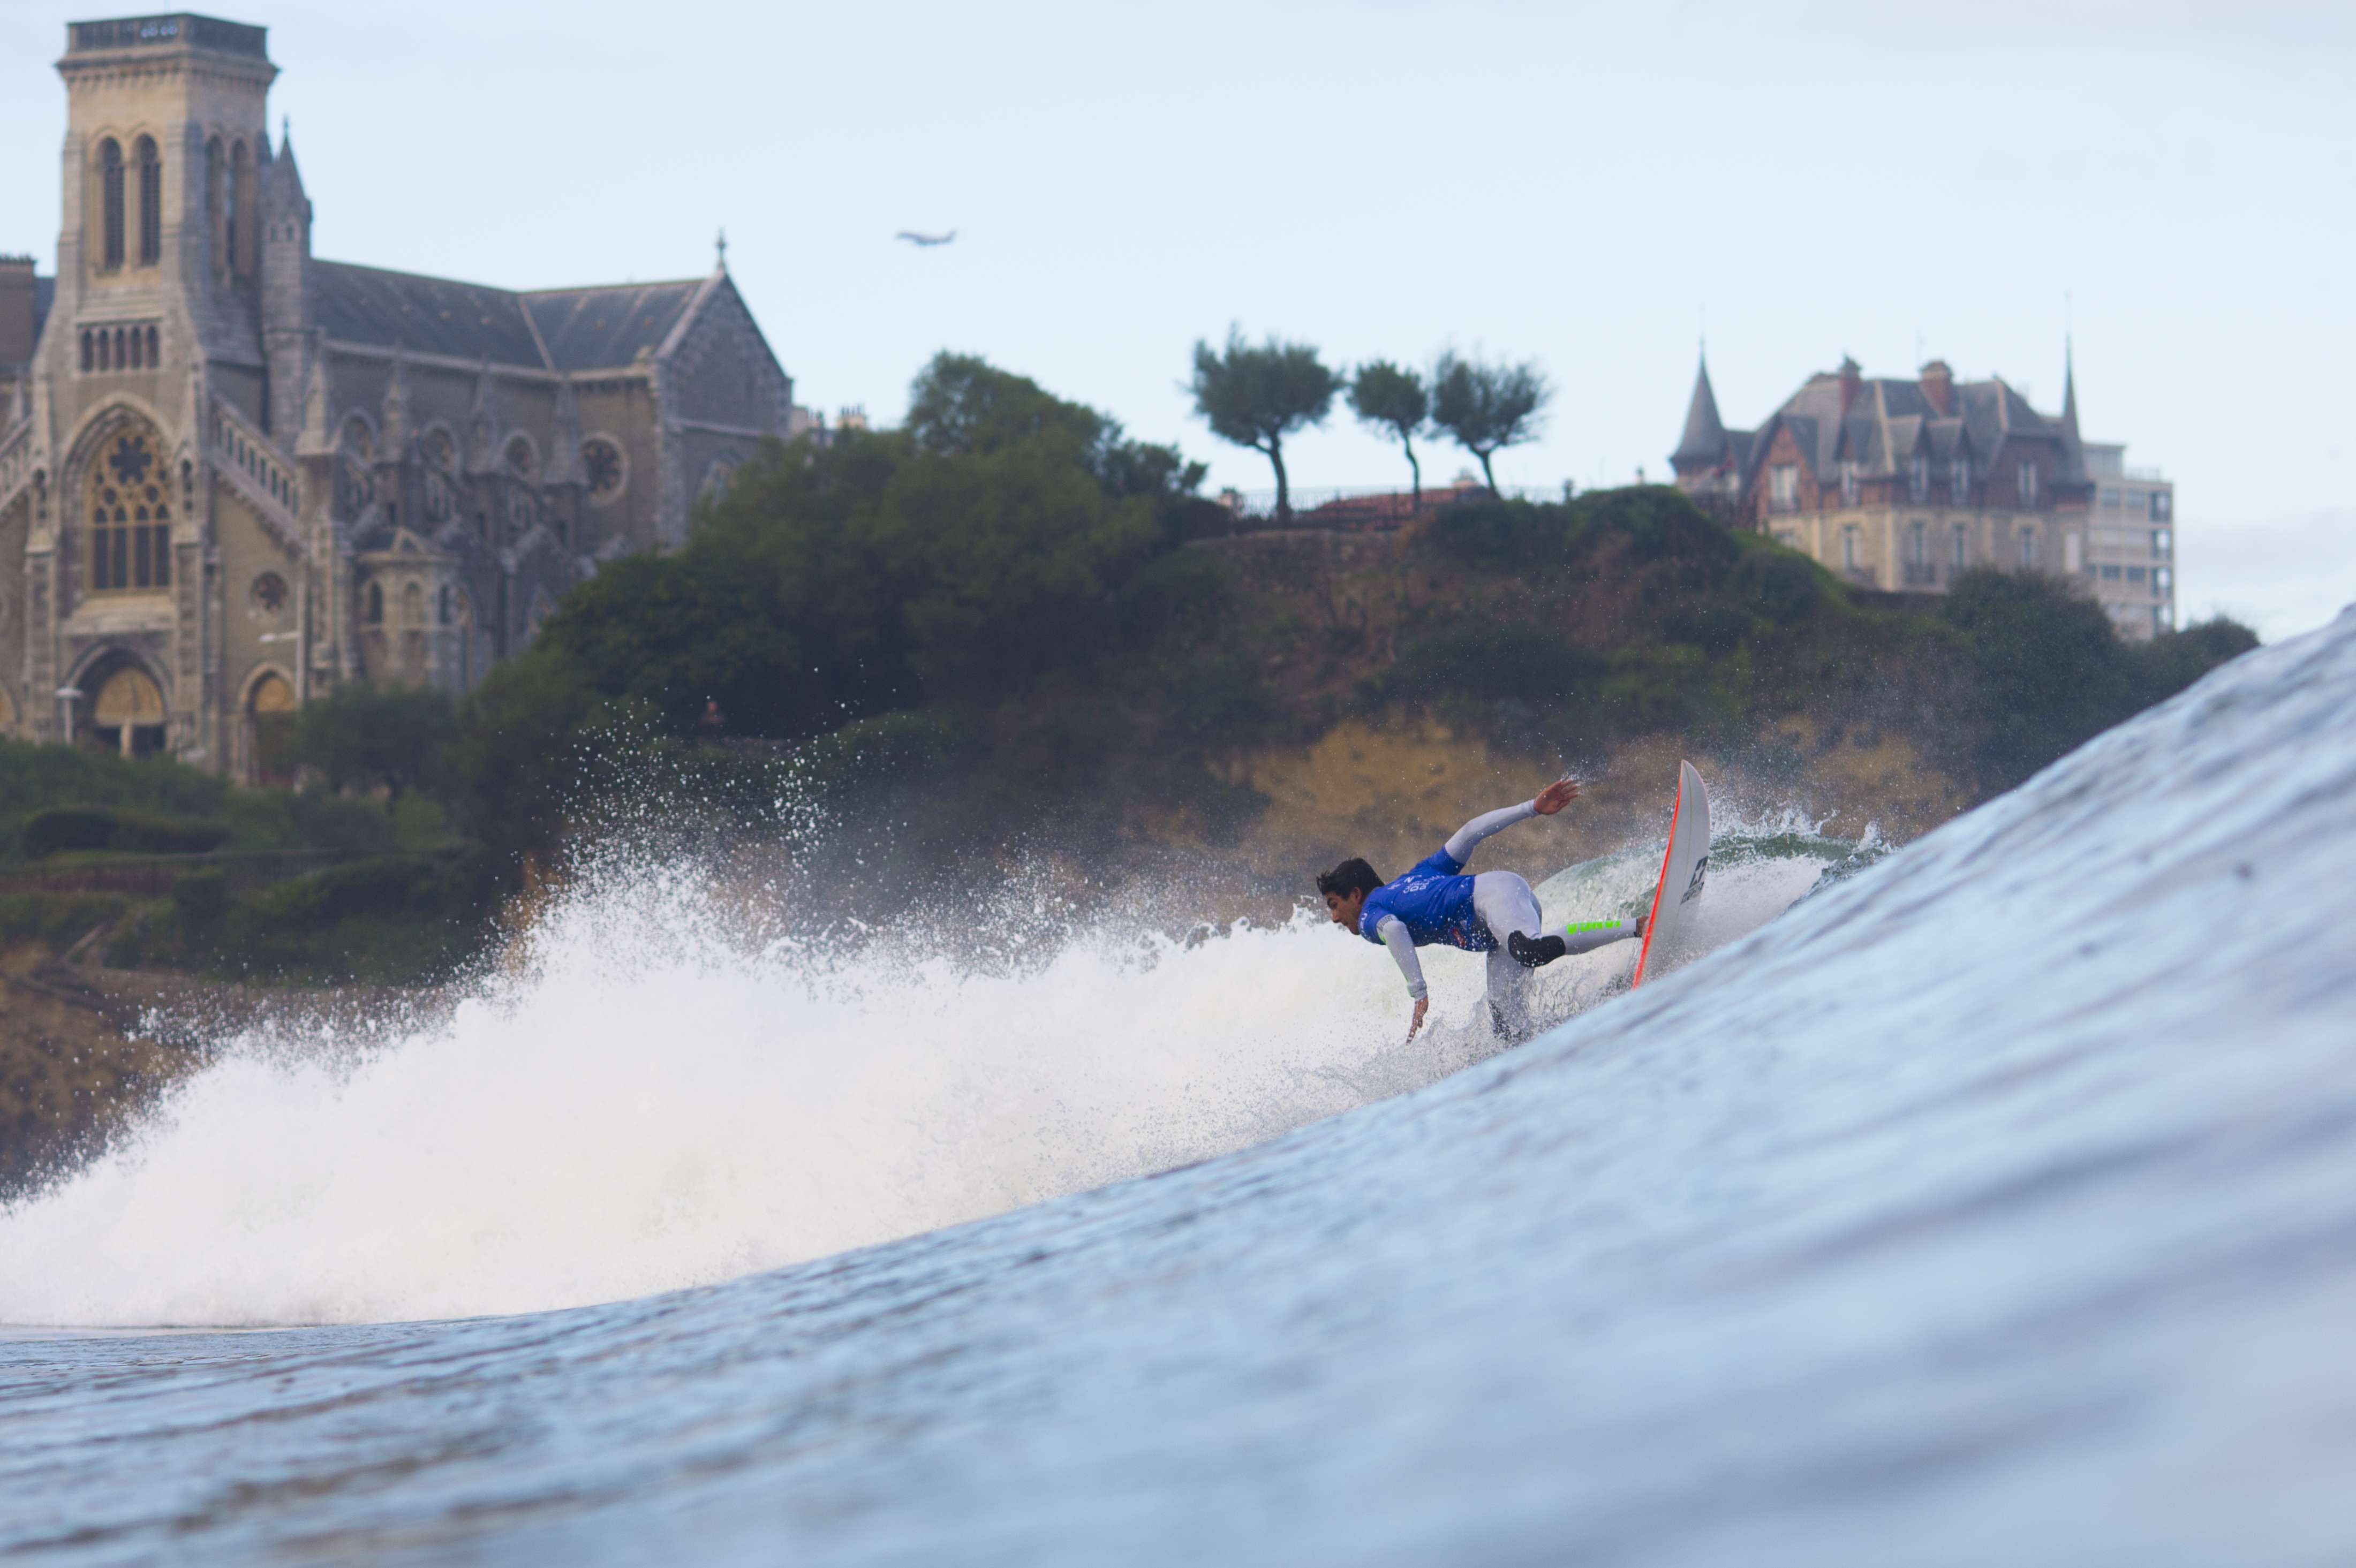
{"points": [[1685, 867]]}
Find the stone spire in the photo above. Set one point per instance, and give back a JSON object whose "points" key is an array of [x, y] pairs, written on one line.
{"points": [[483, 423], [319, 435], [2073, 452], [564, 462], [1704, 442], [396, 407]]}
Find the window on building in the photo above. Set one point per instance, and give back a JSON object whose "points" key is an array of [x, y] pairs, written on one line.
{"points": [[2110, 574], [1959, 481], [2028, 548], [2160, 544], [1849, 483], [110, 202], [1783, 486], [1963, 556], [376, 604], [2073, 553], [2029, 484], [234, 224], [89, 350], [2110, 498], [2163, 506], [151, 202], [1918, 477], [2134, 574], [447, 611], [1918, 545], [216, 173], [130, 518], [1848, 547], [2161, 580]]}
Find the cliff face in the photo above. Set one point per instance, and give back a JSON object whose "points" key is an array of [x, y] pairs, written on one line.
{"points": [[1418, 677]]}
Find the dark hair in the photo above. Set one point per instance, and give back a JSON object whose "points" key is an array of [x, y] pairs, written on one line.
{"points": [[1352, 876]]}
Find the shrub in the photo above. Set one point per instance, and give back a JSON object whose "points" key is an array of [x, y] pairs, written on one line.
{"points": [[1514, 659], [64, 828]]}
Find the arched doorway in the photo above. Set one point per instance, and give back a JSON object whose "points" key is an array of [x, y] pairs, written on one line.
{"points": [[269, 730], [127, 715]]}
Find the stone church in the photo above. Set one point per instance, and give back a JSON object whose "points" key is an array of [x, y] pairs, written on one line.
{"points": [[234, 476]]}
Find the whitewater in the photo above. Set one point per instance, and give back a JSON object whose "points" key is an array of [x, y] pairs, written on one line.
{"points": [[1995, 1202]]}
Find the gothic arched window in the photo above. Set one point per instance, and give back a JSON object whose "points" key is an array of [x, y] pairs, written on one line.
{"points": [[89, 349], [151, 203], [110, 203], [152, 360], [130, 516], [216, 170], [376, 604], [236, 211]]}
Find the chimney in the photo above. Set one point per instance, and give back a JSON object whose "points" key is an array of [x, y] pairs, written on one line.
{"points": [[17, 327], [1938, 387]]}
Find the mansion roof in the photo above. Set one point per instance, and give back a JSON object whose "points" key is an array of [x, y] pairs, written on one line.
{"points": [[1877, 424]]}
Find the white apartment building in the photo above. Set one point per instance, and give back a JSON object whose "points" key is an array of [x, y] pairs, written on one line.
{"points": [[2131, 542]]}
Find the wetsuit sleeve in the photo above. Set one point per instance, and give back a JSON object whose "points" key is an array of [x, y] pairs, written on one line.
{"points": [[1393, 934], [1587, 935], [1460, 847]]}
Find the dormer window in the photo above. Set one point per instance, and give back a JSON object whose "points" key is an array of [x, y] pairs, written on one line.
{"points": [[1783, 486], [2029, 484], [1918, 477], [1959, 482], [1849, 480]]}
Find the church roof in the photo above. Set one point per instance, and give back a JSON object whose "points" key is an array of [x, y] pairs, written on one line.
{"points": [[424, 315], [548, 329], [590, 330]]}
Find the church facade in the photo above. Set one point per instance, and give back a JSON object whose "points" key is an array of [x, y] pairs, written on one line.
{"points": [[234, 476]]}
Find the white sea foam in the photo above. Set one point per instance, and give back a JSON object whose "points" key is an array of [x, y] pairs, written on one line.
{"points": [[646, 1104]]}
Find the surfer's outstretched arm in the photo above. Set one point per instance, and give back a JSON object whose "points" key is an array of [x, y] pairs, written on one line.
{"points": [[1549, 800], [1394, 933]]}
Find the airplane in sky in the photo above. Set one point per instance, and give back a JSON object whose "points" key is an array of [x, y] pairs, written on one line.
{"points": [[926, 240]]}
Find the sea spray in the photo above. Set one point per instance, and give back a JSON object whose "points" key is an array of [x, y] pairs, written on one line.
{"points": [[661, 1084]]}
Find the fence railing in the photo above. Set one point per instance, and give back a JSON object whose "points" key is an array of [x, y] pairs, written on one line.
{"points": [[1371, 499]]}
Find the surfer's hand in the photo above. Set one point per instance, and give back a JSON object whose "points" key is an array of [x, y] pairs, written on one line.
{"points": [[1422, 1006], [1557, 795]]}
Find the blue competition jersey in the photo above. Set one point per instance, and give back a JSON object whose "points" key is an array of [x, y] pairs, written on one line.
{"points": [[1433, 903]]}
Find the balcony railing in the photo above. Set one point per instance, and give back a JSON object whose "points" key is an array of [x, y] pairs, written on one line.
{"points": [[1924, 576]]}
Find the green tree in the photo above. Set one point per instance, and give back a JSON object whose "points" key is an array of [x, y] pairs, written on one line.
{"points": [[2047, 671], [366, 737], [962, 405], [1384, 394], [1486, 407], [1256, 396]]}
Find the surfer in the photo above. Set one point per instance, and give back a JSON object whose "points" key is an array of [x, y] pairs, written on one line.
{"points": [[1492, 911]]}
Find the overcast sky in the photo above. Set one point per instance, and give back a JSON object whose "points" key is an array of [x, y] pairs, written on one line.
{"points": [[1590, 187]]}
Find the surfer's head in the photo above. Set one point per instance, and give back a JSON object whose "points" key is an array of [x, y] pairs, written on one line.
{"points": [[1345, 887]]}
